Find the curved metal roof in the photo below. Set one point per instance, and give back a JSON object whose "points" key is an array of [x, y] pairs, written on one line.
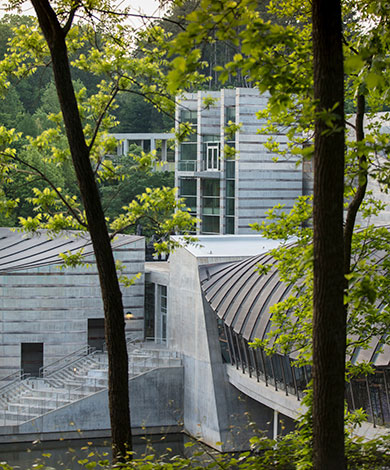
{"points": [[242, 298], [20, 251]]}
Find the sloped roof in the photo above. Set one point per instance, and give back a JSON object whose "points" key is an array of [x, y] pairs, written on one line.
{"points": [[20, 251], [242, 298]]}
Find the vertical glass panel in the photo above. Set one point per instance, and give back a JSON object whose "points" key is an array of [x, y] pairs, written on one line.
{"points": [[187, 187], [229, 225], [210, 224], [268, 369], [230, 114], [149, 309], [210, 187], [188, 151], [230, 188], [163, 304], [288, 375], [230, 168], [190, 116], [229, 206]]}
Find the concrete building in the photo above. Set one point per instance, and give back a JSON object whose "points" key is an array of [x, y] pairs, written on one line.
{"points": [[228, 194], [48, 312], [210, 302], [195, 373]]}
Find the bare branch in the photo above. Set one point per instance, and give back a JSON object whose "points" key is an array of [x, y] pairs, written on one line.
{"points": [[102, 114]]}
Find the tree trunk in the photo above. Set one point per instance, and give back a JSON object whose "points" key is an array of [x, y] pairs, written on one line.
{"points": [[329, 319], [111, 294]]}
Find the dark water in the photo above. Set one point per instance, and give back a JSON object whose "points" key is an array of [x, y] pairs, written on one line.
{"points": [[67, 454]]}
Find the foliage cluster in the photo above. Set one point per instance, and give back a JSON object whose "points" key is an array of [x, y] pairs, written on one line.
{"points": [[39, 187]]}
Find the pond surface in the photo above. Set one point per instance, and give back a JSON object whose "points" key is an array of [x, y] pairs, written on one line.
{"points": [[66, 454]]}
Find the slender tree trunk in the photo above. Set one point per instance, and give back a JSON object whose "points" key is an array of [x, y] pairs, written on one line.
{"points": [[329, 320], [360, 190], [111, 294]]}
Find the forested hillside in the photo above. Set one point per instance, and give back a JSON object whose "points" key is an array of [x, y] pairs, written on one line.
{"points": [[26, 105]]}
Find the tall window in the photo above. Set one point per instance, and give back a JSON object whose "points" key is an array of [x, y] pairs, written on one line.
{"points": [[210, 206], [187, 190], [187, 154], [211, 153], [230, 114], [190, 116], [149, 310], [230, 166], [162, 312], [212, 157]]}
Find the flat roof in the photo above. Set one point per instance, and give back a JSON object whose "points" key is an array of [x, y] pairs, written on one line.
{"points": [[229, 245]]}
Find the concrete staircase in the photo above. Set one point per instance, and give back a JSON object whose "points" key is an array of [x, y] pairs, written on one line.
{"points": [[66, 381]]}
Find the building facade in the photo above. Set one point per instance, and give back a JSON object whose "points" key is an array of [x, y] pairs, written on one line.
{"points": [[48, 312], [227, 194]]}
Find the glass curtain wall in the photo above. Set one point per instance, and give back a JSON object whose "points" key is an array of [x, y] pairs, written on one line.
{"points": [[371, 392]]}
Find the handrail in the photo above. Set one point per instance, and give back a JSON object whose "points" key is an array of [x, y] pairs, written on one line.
{"points": [[68, 359], [129, 341], [69, 364], [12, 376], [10, 385]]}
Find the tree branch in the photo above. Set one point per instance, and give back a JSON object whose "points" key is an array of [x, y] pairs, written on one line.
{"points": [[102, 114], [357, 200], [45, 178], [69, 22]]}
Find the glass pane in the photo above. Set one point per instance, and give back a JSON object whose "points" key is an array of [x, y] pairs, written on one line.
{"points": [[188, 151], [188, 116], [211, 138], [229, 206], [210, 187], [210, 224], [230, 114], [229, 225], [210, 206], [190, 202], [230, 186], [187, 187], [230, 166]]}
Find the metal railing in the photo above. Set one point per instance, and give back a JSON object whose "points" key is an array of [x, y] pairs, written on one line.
{"points": [[187, 165], [70, 378], [13, 387], [65, 361]]}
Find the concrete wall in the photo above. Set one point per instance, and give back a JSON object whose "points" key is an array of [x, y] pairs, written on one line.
{"points": [[214, 410], [52, 306], [156, 402]]}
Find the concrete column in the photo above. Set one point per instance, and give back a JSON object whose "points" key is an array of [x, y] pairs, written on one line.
{"points": [[276, 422], [164, 150], [125, 146]]}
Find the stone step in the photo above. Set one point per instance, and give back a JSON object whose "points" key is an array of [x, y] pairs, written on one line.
{"points": [[61, 393], [54, 401], [6, 415], [22, 409], [33, 397]]}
